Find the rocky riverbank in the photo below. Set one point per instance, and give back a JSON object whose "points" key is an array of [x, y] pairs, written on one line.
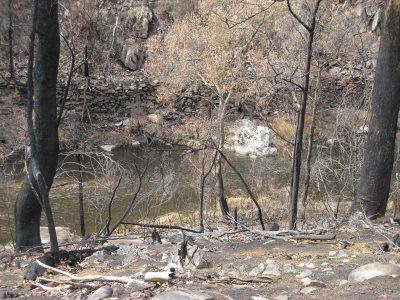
{"points": [[225, 264]]}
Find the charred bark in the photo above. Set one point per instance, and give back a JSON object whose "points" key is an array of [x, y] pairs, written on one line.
{"points": [[377, 166], [44, 134], [10, 39], [298, 143]]}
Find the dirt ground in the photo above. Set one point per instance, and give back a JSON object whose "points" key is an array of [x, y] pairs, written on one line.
{"points": [[232, 258]]}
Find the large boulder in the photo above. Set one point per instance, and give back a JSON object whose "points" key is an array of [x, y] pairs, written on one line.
{"points": [[132, 55], [166, 12], [372, 270], [64, 235], [250, 139], [137, 19]]}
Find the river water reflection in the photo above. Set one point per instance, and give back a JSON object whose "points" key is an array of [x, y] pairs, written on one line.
{"points": [[170, 183]]}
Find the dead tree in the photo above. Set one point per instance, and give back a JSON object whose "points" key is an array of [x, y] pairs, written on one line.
{"points": [[298, 142]]}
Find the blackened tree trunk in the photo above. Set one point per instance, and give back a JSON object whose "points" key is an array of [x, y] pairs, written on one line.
{"points": [[377, 166], [10, 39], [223, 203], [81, 207], [44, 144], [298, 143]]}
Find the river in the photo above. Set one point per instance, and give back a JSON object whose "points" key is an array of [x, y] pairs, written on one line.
{"points": [[170, 183]]}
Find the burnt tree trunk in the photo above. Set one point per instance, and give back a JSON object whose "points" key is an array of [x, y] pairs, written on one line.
{"points": [[45, 142], [10, 39], [377, 166], [298, 142], [81, 206], [223, 203]]}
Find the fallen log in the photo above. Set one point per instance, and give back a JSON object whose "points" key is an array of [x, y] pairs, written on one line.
{"points": [[34, 269]]}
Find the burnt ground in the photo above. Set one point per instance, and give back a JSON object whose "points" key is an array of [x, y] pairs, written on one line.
{"points": [[231, 260]]}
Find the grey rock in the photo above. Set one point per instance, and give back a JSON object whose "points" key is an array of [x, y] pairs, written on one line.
{"points": [[371, 64], [281, 297], [138, 19], [305, 273], [195, 258], [314, 283], [34, 269], [341, 254], [183, 294], [257, 270], [335, 71], [132, 55], [360, 10], [289, 268], [64, 235], [272, 269], [396, 240], [376, 21], [101, 293], [308, 290], [374, 270]]}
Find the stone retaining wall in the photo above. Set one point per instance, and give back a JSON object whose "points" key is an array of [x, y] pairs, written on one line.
{"points": [[124, 97], [112, 98]]}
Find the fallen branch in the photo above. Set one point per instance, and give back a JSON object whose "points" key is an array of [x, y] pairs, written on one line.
{"points": [[159, 276], [296, 235], [71, 283], [314, 237], [120, 279], [51, 289], [161, 226], [236, 280]]}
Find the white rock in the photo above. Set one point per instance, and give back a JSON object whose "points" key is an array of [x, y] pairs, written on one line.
{"points": [[154, 118], [332, 254], [310, 265], [248, 139], [281, 297], [343, 282], [308, 290], [135, 143], [258, 298], [108, 148], [289, 268], [304, 273], [374, 270], [341, 254], [335, 71]]}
